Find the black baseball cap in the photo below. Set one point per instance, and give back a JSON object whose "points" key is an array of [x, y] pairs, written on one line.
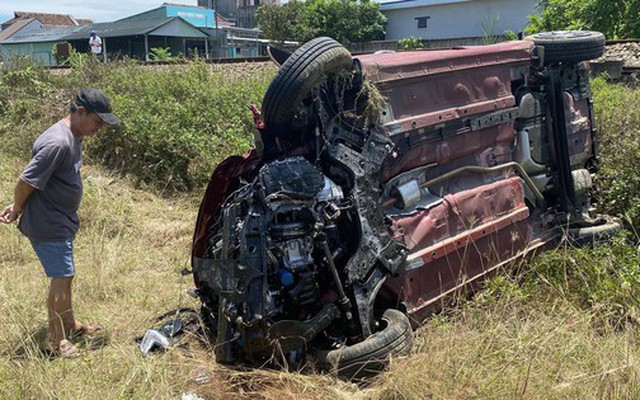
{"points": [[96, 101]]}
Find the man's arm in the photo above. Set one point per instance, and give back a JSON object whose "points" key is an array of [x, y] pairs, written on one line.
{"points": [[21, 193]]}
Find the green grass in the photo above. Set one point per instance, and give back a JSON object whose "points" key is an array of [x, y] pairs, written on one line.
{"points": [[619, 123], [564, 326], [179, 120]]}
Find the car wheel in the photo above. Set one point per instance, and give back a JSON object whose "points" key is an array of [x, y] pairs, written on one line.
{"points": [[371, 355], [303, 70], [599, 233], [569, 46]]}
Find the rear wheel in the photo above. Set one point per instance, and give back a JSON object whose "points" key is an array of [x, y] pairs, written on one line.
{"points": [[569, 46]]}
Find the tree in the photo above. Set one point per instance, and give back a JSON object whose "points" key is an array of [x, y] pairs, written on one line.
{"points": [[280, 23], [343, 20], [617, 19]]}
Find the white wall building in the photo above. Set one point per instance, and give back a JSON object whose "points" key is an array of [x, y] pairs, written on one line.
{"points": [[447, 19]]}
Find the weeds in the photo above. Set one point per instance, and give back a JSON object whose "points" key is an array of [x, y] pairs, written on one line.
{"points": [[619, 125], [410, 43], [162, 54], [179, 122]]}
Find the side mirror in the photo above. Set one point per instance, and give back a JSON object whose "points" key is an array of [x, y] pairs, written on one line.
{"points": [[277, 54]]}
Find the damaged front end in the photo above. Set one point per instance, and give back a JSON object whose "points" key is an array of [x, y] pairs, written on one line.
{"points": [[278, 275]]}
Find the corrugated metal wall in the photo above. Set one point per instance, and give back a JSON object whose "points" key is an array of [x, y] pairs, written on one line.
{"points": [[41, 52]]}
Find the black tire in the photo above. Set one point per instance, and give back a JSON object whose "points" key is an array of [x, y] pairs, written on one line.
{"points": [[303, 70], [370, 356], [569, 46], [599, 233]]}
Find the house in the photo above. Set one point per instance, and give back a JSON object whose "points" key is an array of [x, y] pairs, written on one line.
{"points": [[448, 19], [133, 37], [184, 29], [205, 19], [199, 17]]}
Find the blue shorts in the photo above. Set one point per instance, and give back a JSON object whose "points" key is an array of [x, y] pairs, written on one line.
{"points": [[56, 257]]}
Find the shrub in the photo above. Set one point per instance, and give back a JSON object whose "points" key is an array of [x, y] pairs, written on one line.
{"points": [[510, 35], [179, 121], [410, 43], [603, 279], [161, 54], [27, 93], [619, 178]]}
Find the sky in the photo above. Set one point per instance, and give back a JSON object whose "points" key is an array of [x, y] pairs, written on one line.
{"points": [[98, 10]]}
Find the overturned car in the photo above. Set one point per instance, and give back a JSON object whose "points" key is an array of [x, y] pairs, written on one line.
{"points": [[386, 182]]}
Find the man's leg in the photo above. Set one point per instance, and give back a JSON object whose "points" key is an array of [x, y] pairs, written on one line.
{"points": [[57, 259], [61, 319]]}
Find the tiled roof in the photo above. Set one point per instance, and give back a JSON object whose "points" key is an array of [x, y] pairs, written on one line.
{"points": [[223, 21], [48, 20]]}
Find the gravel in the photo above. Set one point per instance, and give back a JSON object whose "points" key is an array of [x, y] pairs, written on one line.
{"points": [[629, 52]]}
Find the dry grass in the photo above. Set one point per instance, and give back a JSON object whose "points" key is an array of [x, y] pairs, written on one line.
{"points": [[513, 349], [130, 250]]}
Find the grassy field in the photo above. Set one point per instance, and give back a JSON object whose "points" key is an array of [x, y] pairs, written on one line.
{"points": [[564, 326]]}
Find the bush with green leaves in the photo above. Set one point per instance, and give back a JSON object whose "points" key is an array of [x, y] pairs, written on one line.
{"points": [[619, 146], [510, 35], [178, 121], [26, 91], [489, 30], [616, 19], [603, 279], [410, 43], [161, 54], [345, 21]]}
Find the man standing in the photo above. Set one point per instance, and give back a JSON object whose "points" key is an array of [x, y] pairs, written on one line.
{"points": [[95, 43], [47, 196]]}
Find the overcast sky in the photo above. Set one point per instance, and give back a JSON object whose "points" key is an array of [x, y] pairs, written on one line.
{"points": [[99, 11]]}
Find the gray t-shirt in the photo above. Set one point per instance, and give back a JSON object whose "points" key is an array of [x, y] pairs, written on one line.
{"points": [[54, 171]]}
